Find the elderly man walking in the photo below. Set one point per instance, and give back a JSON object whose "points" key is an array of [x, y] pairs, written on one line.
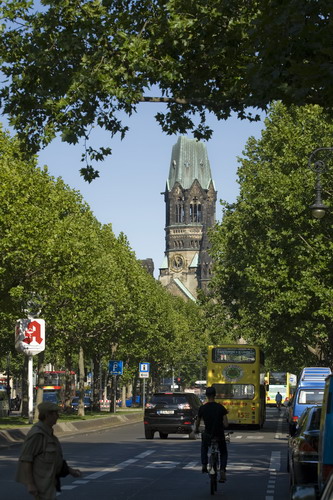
{"points": [[41, 463]]}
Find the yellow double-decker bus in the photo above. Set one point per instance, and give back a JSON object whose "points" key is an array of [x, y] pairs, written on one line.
{"points": [[237, 372]]}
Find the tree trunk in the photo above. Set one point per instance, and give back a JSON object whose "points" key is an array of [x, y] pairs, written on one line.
{"points": [[80, 410], [40, 383], [25, 410]]}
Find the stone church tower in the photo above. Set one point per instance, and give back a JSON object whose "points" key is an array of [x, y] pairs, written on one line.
{"points": [[190, 199]]}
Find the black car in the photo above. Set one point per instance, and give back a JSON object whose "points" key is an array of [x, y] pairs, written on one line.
{"points": [[303, 448], [171, 413]]}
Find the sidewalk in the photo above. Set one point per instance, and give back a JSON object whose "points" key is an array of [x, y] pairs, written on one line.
{"points": [[16, 436]]}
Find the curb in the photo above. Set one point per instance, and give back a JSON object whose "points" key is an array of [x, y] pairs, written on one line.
{"points": [[16, 436]]}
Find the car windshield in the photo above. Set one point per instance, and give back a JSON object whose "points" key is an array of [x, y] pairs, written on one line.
{"points": [[311, 396], [50, 397], [169, 399]]}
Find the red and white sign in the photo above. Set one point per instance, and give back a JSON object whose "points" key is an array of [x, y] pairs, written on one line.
{"points": [[30, 336]]}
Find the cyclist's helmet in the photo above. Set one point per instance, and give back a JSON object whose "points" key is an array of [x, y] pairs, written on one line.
{"points": [[210, 391]]}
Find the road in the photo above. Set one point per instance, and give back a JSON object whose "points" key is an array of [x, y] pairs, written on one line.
{"points": [[121, 464]]}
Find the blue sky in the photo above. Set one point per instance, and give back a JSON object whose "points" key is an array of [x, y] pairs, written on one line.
{"points": [[128, 192]]}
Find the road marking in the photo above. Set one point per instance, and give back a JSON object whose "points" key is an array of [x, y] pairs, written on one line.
{"points": [[274, 466], [191, 465], [163, 464], [275, 462], [238, 466], [278, 434], [145, 454]]}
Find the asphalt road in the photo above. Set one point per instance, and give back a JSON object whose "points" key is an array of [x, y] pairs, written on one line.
{"points": [[121, 464]]}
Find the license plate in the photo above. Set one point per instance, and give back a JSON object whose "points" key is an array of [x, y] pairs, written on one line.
{"points": [[165, 412]]}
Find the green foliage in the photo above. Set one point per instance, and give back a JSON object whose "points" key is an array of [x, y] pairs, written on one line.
{"points": [[273, 262], [70, 66], [58, 261]]}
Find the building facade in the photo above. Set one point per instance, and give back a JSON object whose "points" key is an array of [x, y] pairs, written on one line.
{"points": [[190, 201]]}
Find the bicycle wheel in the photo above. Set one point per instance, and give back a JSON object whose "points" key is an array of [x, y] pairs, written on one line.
{"points": [[213, 483], [213, 472]]}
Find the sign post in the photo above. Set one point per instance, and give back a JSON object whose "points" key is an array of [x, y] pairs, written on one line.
{"points": [[144, 369], [115, 369], [30, 340]]}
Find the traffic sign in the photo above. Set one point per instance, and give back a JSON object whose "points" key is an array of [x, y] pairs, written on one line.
{"points": [[116, 367], [143, 374], [144, 367]]}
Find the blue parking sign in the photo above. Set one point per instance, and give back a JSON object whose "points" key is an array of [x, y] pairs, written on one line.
{"points": [[116, 367]]}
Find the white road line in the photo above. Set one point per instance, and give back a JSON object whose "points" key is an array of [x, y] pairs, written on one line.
{"points": [[145, 454], [191, 465], [275, 462], [163, 464]]}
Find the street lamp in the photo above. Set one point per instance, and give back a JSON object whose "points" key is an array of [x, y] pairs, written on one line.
{"points": [[318, 208]]}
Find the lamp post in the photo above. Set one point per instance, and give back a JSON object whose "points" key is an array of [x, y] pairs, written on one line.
{"points": [[318, 208]]}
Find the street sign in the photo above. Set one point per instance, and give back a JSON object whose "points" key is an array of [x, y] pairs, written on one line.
{"points": [[30, 336], [144, 367], [116, 367], [143, 374]]}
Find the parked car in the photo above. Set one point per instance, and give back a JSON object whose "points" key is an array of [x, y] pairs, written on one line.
{"points": [[171, 413], [303, 448], [306, 395], [86, 401]]}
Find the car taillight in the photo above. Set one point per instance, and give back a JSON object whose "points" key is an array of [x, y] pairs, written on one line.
{"points": [[307, 447], [184, 406], [187, 422], [149, 405], [295, 419]]}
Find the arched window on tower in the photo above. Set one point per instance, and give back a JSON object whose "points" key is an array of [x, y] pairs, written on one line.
{"points": [[195, 210], [180, 211]]}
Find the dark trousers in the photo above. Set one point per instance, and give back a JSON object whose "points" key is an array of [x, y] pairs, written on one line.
{"points": [[205, 443]]}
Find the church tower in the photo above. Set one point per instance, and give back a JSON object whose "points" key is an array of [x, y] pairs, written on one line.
{"points": [[190, 199]]}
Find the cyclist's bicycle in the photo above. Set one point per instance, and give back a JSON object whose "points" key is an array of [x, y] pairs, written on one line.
{"points": [[214, 462]]}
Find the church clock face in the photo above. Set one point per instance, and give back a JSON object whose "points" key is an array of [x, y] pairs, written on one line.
{"points": [[177, 262]]}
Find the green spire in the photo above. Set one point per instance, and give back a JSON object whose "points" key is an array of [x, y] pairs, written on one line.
{"points": [[189, 161]]}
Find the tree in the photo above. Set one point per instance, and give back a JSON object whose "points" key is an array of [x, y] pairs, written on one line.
{"points": [[73, 65], [273, 261]]}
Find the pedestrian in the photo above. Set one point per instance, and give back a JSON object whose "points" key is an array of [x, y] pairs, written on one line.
{"points": [[215, 419], [41, 463], [278, 400]]}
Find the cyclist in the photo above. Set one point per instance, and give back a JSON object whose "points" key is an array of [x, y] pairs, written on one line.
{"points": [[278, 400], [215, 419]]}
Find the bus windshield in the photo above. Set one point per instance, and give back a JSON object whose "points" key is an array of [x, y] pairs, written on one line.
{"points": [[234, 391]]}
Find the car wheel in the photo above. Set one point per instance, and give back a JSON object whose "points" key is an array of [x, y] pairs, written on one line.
{"points": [[149, 434], [163, 435]]}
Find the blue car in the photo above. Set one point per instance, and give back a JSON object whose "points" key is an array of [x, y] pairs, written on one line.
{"points": [[306, 395], [87, 403]]}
